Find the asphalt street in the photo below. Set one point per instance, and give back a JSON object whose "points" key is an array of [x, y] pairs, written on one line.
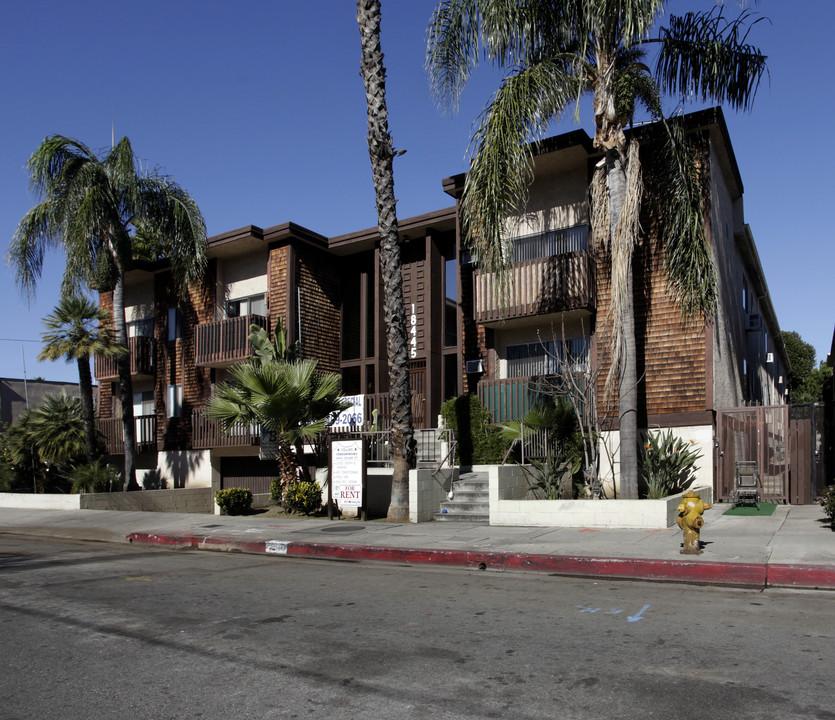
{"points": [[117, 631]]}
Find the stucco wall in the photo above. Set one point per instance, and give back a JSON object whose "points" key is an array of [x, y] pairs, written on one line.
{"points": [[239, 277], [700, 435]]}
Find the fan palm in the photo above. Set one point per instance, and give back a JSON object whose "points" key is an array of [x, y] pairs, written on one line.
{"points": [[288, 398], [90, 209], [76, 330], [555, 53]]}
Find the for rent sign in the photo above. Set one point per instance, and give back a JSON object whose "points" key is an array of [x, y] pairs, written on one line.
{"points": [[346, 475]]}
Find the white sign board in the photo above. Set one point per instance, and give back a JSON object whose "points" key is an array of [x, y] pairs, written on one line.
{"points": [[353, 416], [269, 444], [346, 472]]}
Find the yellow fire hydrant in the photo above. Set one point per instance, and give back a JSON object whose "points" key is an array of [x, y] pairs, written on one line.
{"points": [[690, 520]]}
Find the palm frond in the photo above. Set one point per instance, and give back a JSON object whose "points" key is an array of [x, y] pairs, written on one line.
{"points": [[678, 194], [707, 56], [502, 167]]}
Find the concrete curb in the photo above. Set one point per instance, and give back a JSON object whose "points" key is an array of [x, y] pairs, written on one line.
{"points": [[747, 575]]}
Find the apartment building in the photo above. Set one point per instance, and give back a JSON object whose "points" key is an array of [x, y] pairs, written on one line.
{"points": [[464, 336]]}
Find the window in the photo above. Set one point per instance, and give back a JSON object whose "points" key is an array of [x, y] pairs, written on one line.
{"points": [[174, 400], [175, 322], [143, 407], [252, 305], [556, 242], [546, 358], [141, 328]]}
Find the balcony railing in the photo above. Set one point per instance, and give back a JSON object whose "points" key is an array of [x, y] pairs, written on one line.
{"points": [[207, 433], [111, 430], [224, 342], [535, 287], [142, 359], [512, 398]]}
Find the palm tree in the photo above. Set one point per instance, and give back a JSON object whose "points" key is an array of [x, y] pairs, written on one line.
{"points": [[48, 439], [555, 53], [76, 330], [90, 209], [287, 397], [382, 154]]}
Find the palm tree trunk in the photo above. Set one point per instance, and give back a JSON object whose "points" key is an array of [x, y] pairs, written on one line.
{"points": [[85, 395], [125, 382], [382, 155], [627, 375]]}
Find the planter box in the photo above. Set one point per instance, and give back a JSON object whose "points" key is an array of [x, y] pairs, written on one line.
{"points": [[509, 506]]}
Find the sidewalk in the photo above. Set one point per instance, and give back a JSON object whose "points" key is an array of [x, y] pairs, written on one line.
{"points": [[792, 548]]}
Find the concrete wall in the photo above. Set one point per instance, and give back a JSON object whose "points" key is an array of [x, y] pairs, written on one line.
{"points": [[427, 492], [184, 500], [508, 506], [197, 500], [31, 501], [186, 468]]}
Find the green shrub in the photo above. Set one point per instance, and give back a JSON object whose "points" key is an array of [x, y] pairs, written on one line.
{"points": [[304, 497], [552, 478], [234, 501], [478, 440], [667, 464], [276, 491], [828, 504], [95, 477]]}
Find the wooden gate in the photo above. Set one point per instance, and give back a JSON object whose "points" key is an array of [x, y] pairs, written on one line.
{"points": [[754, 433], [808, 461]]}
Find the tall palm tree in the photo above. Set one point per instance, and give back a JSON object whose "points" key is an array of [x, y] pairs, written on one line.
{"points": [[555, 53], [382, 154], [76, 330], [287, 397], [90, 209]]}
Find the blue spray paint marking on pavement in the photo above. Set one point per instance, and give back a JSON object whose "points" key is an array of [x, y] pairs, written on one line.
{"points": [[637, 616], [615, 611]]}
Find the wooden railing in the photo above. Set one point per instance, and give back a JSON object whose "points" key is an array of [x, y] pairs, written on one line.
{"points": [[535, 287], [207, 433], [111, 430], [142, 359], [223, 342]]}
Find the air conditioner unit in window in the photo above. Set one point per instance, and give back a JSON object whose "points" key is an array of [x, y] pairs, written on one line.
{"points": [[474, 366], [754, 323]]}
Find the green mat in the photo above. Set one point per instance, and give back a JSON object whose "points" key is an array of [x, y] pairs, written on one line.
{"points": [[766, 508]]}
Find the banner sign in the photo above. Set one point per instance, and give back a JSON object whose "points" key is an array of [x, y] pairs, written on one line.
{"points": [[353, 416]]}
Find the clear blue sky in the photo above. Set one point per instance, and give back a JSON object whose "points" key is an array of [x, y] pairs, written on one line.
{"points": [[257, 109]]}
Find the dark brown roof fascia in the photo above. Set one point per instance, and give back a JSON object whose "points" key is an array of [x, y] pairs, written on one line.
{"points": [[406, 225], [282, 234], [248, 231]]}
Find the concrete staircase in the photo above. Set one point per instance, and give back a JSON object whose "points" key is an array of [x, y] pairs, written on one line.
{"points": [[470, 502]]}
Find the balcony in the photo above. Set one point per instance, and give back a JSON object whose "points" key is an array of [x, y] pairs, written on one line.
{"points": [[114, 438], [142, 360], [222, 343], [207, 433], [512, 398], [537, 287]]}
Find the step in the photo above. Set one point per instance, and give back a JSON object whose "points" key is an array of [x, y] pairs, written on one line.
{"points": [[471, 517], [455, 506]]}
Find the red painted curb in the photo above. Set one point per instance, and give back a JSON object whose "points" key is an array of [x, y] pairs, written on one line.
{"points": [[820, 577], [758, 575]]}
